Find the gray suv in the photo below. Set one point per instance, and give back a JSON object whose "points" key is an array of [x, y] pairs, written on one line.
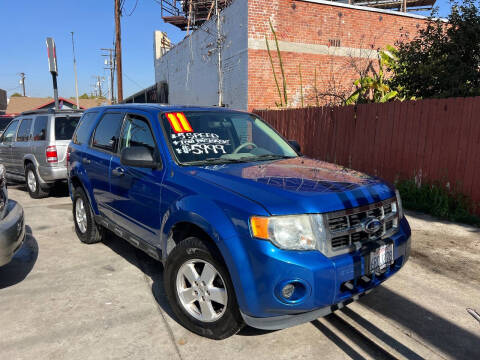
{"points": [[33, 148]]}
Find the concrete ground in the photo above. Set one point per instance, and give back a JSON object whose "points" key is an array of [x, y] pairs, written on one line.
{"points": [[60, 299]]}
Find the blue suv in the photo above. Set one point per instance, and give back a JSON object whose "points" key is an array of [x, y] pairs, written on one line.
{"points": [[249, 231]]}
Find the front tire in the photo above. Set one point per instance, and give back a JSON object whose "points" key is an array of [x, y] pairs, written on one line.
{"points": [[200, 291], [33, 184], [85, 226]]}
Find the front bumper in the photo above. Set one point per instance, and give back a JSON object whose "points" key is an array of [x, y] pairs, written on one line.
{"points": [[322, 278], [12, 232]]}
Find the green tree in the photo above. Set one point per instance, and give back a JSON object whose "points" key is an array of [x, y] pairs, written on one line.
{"points": [[443, 60], [16, 95]]}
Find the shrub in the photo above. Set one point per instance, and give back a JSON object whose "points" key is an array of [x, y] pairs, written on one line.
{"points": [[438, 201]]}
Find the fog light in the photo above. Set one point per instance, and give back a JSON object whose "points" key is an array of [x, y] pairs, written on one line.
{"points": [[288, 290]]}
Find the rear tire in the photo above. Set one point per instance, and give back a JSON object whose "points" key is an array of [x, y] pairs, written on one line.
{"points": [[33, 184], [85, 226], [207, 305]]}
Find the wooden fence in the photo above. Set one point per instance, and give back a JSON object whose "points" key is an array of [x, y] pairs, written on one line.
{"points": [[432, 140]]}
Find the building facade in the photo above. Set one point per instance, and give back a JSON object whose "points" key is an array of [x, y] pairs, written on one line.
{"points": [[324, 47]]}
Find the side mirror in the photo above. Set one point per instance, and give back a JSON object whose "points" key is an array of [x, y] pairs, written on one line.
{"points": [[138, 156], [295, 145]]}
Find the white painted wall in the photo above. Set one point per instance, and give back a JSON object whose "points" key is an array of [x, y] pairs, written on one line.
{"points": [[190, 68]]}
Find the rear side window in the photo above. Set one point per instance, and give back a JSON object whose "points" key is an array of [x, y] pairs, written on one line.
{"points": [[65, 126], [82, 134], [107, 131], [40, 128], [24, 130]]}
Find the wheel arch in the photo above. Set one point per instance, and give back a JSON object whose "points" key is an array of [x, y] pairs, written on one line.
{"points": [[74, 182], [210, 221], [30, 159]]}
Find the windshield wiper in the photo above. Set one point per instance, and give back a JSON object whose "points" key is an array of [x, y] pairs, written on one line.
{"points": [[218, 161], [270, 157], [243, 159]]}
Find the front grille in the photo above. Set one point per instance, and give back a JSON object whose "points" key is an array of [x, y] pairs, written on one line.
{"points": [[347, 228]]}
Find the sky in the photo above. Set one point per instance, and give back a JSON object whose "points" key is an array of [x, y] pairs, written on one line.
{"points": [[25, 25]]}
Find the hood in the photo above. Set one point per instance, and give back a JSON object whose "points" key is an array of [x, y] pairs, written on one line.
{"points": [[298, 185]]}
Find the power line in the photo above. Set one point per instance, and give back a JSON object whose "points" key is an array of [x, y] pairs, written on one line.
{"points": [[132, 11], [133, 81], [15, 88]]}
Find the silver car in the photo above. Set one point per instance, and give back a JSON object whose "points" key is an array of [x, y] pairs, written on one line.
{"points": [[33, 148]]}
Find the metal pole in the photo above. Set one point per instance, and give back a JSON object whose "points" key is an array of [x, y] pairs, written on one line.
{"points": [[118, 50], [22, 81], [55, 90], [75, 71], [219, 51]]}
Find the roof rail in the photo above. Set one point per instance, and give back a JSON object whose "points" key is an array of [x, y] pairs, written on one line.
{"points": [[51, 111]]}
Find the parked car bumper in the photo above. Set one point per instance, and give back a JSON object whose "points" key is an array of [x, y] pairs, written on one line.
{"points": [[52, 173], [12, 232], [320, 279]]}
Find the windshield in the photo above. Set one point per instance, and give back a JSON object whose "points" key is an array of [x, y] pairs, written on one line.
{"points": [[65, 126], [222, 137]]}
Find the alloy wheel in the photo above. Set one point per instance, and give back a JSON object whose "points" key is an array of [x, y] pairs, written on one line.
{"points": [[31, 181], [81, 215], [201, 290]]}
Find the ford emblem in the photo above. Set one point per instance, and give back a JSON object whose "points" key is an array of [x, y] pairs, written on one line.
{"points": [[372, 225]]}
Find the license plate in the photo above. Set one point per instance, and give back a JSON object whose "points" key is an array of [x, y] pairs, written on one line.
{"points": [[381, 258]]}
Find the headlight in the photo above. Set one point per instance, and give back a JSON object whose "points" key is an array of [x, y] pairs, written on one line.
{"points": [[399, 204], [293, 232]]}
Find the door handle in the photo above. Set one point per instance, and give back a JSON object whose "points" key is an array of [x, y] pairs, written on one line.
{"points": [[118, 171], [86, 161]]}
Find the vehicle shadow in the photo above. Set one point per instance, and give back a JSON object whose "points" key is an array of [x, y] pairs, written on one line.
{"points": [[60, 190], [369, 345], [154, 270], [22, 263], [436, 330], [149, 266]]}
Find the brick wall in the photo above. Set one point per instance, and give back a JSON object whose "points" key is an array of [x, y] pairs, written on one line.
{"points": [[335, 40]]}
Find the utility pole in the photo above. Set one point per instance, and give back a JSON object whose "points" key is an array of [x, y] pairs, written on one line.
{"points": [[75, 71], [22, 82], [118, 50], [98, 85], [219, 52], [110, 65]]}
